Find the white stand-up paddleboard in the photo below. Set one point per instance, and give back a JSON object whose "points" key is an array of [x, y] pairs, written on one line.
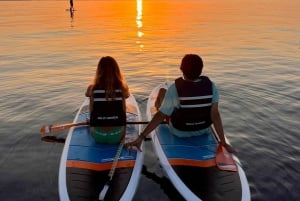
{"points": [[85, 164], [190, 164]]}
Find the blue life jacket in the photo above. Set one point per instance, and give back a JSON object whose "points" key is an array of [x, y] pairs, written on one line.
{"points": [[195, 102], [107, 112]]}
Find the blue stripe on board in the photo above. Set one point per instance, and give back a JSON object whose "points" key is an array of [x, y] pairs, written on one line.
{"points": [[84, 148], [201, 147]]}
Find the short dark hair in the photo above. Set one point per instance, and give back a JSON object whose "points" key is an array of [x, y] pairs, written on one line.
{"points": [[191, 66]]}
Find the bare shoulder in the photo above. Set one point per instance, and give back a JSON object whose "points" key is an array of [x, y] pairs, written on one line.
{"points": [[89, 90], [125, 91]]}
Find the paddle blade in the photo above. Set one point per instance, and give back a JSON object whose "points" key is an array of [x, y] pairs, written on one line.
{"points": [[53, 139], [224, 160]]}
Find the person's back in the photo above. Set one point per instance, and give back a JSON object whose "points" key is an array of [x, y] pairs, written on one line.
{"points": [[195, 101], [108, 116], [188, 101], [107, 102], [191, 102]]}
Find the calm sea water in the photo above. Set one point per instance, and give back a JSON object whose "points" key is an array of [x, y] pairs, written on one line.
{"points": [[250, 48]]}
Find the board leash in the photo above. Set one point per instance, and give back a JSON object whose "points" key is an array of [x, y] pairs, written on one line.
{"points": [[111, 173]]}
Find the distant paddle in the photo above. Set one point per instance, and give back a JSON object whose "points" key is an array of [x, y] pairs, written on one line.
{"points": [[224, 159]]}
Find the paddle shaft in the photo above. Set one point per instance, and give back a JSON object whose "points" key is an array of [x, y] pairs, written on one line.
{"points": [[60, 127]]}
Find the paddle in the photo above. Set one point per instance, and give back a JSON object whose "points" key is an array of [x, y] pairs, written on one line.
{"points": [[111, 172], [224, 159], [60, 127]]}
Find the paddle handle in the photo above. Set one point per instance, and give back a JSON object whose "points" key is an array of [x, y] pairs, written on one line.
{"points": [[56, 128]]}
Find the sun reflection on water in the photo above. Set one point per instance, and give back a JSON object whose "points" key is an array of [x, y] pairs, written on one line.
{"points": [[139, 23]]}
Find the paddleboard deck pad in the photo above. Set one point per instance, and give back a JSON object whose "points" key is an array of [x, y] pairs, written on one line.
{"points": [[190, 164], [85, 164]]}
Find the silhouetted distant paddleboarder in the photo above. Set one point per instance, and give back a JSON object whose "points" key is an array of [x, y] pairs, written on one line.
{"points": [[71, 5]]}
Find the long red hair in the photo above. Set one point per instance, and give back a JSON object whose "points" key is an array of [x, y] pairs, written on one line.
{"points": [[109, 77]]}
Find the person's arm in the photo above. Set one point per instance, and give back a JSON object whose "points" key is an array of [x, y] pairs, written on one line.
{"points": [[155, 121], [217, 122], [125, 91], [89, 93]]}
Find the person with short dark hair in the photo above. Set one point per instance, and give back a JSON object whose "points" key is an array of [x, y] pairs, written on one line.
{"points": [[191, 102]]}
